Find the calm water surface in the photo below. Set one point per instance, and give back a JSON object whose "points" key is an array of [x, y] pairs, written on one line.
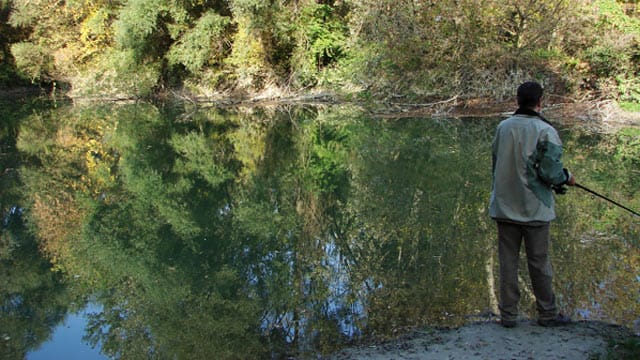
{"points": [[170, 231]]}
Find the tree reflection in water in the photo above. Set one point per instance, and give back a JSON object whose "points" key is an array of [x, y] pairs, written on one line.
{"points": [[266, 231]]}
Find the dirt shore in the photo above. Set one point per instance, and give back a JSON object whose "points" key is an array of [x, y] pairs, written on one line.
{"points": [[600, 113], [488, 340]]}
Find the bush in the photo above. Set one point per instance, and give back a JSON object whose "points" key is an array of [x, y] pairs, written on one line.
{"points": [[117, 74], [33, 61]]}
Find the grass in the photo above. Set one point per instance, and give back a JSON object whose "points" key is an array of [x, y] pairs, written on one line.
{"points": [[628, 349], [630, 106]]}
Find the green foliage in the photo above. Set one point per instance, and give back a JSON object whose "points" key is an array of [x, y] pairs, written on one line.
{"points": [[201, 45], [10, 160], [24, 15], [197, 156], [607, 61], [47, 45], [613, 53], [250, 8], [628, 87], [322, 37], [630, 106], [262, 43], [334, 219], [326, 166], [394, 50], [628, 349], [612, 14], [95, 32], [628, 148], [118, 74], [8, 71], [137, 21], [32, 60], [33, 298]]}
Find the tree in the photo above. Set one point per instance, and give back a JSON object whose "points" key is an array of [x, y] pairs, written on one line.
{"points": [[47, 53]]}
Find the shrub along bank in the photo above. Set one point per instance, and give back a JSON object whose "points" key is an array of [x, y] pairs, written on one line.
{"points": [[401, 50]]}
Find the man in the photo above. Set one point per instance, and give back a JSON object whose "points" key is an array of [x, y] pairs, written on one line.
{"points": [[527, 168]]}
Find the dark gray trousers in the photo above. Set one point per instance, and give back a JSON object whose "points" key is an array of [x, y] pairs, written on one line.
{"points": [[536, 242]]}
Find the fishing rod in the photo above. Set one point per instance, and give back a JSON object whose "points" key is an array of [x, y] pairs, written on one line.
{"points": [[606, 198]]}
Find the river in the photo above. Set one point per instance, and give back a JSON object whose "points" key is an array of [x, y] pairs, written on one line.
{"points": [[187, 232]]}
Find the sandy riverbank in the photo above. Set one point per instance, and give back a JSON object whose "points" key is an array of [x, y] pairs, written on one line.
{"points": [[488, 340]]}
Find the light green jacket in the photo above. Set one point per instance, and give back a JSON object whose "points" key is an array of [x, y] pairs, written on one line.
{"points": [[527, 155]]}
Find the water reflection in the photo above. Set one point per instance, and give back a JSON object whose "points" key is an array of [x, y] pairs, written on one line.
{"points": [[265, 232], [67, 340]]}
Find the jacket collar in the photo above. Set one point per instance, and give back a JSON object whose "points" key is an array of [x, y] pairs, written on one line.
{"points": [[530, 112]]}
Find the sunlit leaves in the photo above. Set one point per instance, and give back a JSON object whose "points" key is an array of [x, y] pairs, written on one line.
{"points": [[119, 75], [527, 24], [321, 35], [137, 21], [201, 45], [96, 32], [50, 32], [326, 35], [388, 48], [33, 60], [614, 14], [24, 13], [249, 7]]}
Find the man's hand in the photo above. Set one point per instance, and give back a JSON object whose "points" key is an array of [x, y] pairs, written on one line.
{"points": [[562, 189], [571, 180]]}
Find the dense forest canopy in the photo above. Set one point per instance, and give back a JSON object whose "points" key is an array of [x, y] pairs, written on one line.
{"points": [[401, 49]]}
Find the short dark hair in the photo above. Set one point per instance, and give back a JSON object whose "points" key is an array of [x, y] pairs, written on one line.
{"points": [[529, 94]]}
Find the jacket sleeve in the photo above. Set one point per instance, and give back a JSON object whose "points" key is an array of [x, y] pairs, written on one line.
{"points": [[550, 167], [494, 152]]}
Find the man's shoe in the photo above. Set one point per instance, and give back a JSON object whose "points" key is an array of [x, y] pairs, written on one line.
{"points": [[508, 323], [558, 320]]}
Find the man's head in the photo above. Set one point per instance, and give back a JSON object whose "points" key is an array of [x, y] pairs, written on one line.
{"points": [[529, 95]]}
